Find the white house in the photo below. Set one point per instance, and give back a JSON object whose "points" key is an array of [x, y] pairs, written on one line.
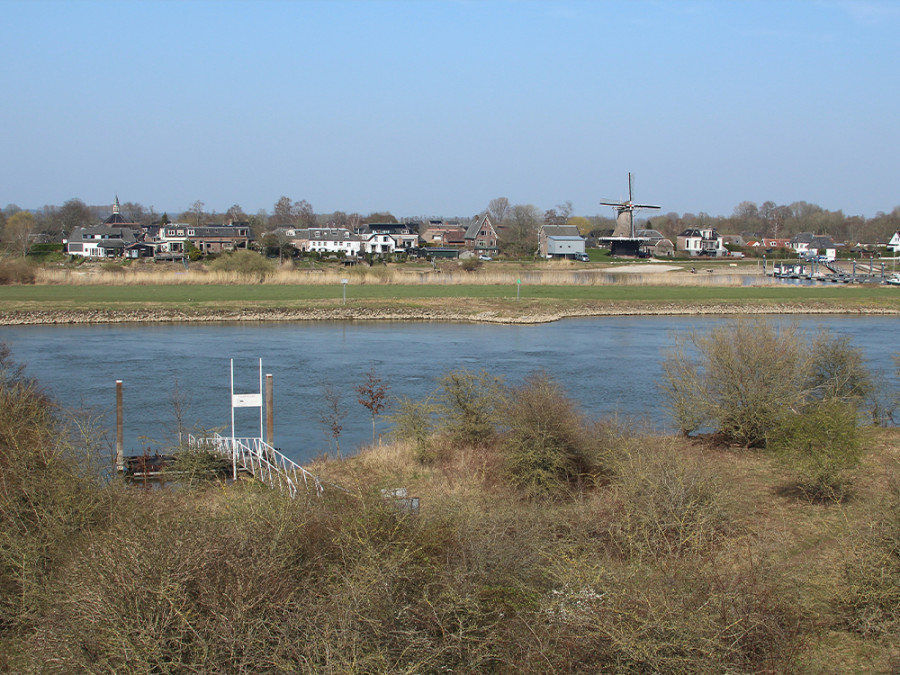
{"points": [[100, 242], [696, 241], [325, 240], [894, 243]]}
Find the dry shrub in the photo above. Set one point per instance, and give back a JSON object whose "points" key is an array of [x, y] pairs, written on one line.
{"points": [[870, 594], [244, 262], [665, 505], [16, 271], [548, 446], [49, 492], [727, 613]]}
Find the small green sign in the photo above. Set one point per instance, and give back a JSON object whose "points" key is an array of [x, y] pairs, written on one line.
{"points": [[518, 281]]}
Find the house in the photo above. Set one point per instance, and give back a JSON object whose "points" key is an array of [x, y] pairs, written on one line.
{"points": [[387, 237], [213, 238], [440, 233], [325, 240], [809, 243], [701, 241], [655, 244], [560, 241], [894, 243], [769, 244], [100, 242], [481, 236]]}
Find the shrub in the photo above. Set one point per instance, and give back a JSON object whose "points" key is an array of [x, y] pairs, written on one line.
{"points": [[821, 445], [869, 596], [837, 370], [665, 506], [469, 404], [747, 378], [244, 262], [413, 422], [16, 271], [48, 491], [547, 446]]}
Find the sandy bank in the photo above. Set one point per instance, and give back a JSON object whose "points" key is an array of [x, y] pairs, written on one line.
{"points": [[504, 316]]}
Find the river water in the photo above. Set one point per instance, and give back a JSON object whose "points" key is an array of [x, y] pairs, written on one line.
{"points": [[611, 366]]}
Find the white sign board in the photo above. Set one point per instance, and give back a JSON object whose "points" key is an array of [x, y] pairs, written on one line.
{"points": [[246, 400]]}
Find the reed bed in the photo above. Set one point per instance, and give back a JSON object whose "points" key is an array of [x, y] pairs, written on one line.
{"points": [[391, 276]]}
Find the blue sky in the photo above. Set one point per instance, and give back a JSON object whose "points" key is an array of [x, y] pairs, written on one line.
{"points": [[434, 108]]}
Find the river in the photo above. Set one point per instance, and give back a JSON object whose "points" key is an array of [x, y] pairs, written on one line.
{"points": [[611, 366]]}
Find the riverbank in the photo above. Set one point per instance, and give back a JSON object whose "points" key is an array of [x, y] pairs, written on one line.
{"points": [[471, 311]]}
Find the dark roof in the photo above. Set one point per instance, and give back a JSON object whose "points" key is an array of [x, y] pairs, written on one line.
{"points": [[561, 231], [118, 219]]}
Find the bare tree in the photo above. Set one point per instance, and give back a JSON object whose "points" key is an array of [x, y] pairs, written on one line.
{"points": [[235, 213], [73, 214], [197, 210], [498, 209], [565, 211], [373, 396], [333, 414]]}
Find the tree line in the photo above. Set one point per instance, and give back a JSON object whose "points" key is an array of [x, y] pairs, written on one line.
{"points": [[518, 223]]}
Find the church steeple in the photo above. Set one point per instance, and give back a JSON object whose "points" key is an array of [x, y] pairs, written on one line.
{"points": [[116, 206]]}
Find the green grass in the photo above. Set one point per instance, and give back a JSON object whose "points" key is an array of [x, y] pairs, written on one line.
{"points": [[74, 296]]}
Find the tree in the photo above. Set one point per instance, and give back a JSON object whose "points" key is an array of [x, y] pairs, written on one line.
{"points": [[73, 214], [197, 211], [520, 237], [497, 209], [583, 224], [332, 416], [282, 213], [304, 213], [373, 396], [235, 213], [565, 211], [18, 230]]}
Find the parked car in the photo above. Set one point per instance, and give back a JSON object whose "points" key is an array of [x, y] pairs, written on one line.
{"points": [[484, 257], [583, 257]]}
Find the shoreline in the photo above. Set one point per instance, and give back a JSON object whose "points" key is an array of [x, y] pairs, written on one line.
{"points": [[504, 316]]}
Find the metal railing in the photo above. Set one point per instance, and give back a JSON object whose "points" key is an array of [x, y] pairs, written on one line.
{"points": [[264, 462]]}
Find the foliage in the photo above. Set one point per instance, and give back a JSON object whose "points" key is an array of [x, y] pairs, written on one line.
{"points": [[414, 422], [547, 446], [748, 380], [837, 370], [18, 230], [244, 262], [470, 264], [469, 405], [822, 445]]}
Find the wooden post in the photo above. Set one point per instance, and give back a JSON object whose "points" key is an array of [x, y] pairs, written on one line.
{"points": [[120, 445], [270, 411]]}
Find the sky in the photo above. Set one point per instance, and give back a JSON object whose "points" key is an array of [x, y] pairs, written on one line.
{"points": [[433, 108]]}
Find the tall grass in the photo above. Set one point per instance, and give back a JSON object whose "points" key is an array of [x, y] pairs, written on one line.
{"points": [[391, 276]]}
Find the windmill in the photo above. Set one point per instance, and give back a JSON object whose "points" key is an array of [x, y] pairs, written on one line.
{"points": [[624, 240]]}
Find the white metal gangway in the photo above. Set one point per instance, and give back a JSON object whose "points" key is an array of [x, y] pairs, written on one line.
{"points": [[264, 462]]}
